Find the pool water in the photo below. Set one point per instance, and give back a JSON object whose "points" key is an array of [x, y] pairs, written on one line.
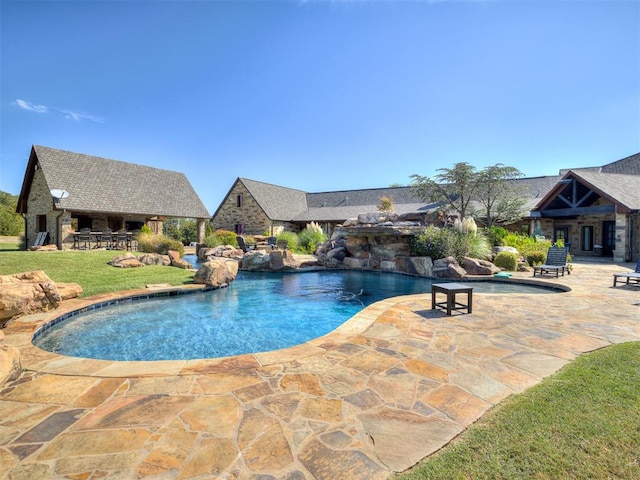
{"points": [[257, 312]]}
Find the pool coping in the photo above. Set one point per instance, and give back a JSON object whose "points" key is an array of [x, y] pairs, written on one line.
{"points": [[21, 332]]}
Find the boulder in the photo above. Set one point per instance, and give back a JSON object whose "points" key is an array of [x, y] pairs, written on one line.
{"points": [[504, 248], [181, 263], [128, 260], [475, 266], [377, 217], [422, 266], [10, 367], [280, 260], [255, 260], [155, 259], [226, 251], [217, 272], [31, 292], [357, 247], [448, 268], [337, 254]]}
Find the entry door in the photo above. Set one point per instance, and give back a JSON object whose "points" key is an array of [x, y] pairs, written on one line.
{"points": [[608, 238]]}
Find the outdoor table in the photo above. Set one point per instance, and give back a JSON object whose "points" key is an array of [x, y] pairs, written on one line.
{"points": [[450, 290]]}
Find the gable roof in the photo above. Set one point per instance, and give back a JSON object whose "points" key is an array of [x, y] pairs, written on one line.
{"points": [[278, 203], [619, 189], [102, 185]]}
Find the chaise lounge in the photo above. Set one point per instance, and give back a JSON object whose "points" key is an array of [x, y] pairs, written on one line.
{"points": [[556, 262], [630, 277]]}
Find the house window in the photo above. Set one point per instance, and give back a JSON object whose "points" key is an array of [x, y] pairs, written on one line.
{"points": [[239, 200], [42, 223], [586, 238], [239, 228]]}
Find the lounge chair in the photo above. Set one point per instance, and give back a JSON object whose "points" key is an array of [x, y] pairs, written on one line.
{"points": [[630, 277], [244, 245], [556, 262]]}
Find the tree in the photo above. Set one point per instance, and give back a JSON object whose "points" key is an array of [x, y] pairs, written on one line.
{"points": [[11, 223], [502, 199], [455, 187]]}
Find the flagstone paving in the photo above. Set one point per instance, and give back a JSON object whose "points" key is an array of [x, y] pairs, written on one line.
{"points": [[388, 388]]}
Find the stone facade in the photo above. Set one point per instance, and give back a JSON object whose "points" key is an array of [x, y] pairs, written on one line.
{"points": [[241, 213]]}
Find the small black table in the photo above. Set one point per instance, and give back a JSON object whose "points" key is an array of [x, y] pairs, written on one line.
{"points": [[450, 289]]}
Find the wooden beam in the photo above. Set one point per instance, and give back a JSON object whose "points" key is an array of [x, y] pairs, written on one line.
{"points": [[572, 212]]}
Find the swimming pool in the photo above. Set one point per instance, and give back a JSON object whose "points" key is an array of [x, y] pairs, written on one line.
{"points": [[257, 312]]}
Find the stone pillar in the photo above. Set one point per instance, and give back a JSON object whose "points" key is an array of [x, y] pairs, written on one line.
{"points": [[200, 230], [620, 252]]}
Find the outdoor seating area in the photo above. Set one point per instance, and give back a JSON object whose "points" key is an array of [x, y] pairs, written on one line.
{"points": [[85, 239], [555, 263], [630, 278]]}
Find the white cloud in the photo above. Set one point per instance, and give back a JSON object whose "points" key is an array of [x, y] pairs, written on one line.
{"points": [[81, 116], [77, 116], [31, 107]]}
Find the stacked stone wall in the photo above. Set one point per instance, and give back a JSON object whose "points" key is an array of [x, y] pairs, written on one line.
{"points": [[250, 214]]}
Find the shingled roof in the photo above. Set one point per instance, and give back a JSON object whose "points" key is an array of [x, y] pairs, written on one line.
{"points": [[278, 203], [110, 186], [622, 189]]}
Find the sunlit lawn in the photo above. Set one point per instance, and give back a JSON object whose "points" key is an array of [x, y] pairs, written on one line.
{"points": [[90, 269], [582, 423]]}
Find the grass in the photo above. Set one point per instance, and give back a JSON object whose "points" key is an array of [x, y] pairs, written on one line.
{"points": [[581, 423], [90, 270]]}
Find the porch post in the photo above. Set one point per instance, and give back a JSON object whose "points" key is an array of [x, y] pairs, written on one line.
{"points": [[201, 230], [620, 253]]}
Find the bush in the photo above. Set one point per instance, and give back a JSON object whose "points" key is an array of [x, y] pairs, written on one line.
{"points": [[221, 237], [310, 237], [156, 243], [535, 258], [447, 242], [291, 238], [507, 261], [496, 235]]}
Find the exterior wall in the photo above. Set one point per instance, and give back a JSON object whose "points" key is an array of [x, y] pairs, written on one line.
{"points": [[250, 214], [40, 203]]}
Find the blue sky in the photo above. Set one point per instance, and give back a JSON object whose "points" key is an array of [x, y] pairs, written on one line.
{"points": [[320, 95]]}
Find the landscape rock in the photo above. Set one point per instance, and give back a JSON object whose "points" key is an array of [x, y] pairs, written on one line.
{"points": [[181, 263], [128, 260], [280, 260], [255, 260], [31, 292], [377, 217], [155, 259], [448, 268], [226, 251], [217, 272], [475, 266]]}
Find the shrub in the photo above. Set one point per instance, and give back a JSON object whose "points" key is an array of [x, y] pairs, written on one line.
{"points": [[535, 258], [507, 261], [145, 229], [156, 243], [221, 237], [496, 235], [444, 242], [291, 238], [385, 204], [310, 237]]}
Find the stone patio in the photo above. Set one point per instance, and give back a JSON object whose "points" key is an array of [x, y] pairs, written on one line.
{"points": [[388, 388]]}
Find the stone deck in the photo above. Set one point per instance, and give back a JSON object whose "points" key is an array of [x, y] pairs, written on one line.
{"points": [[388, 388]]}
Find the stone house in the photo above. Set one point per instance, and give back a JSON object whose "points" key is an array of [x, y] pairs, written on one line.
{"points": [[594, 210], [63, 192]]}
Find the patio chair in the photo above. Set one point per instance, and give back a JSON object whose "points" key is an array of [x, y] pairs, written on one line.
{"points": [[244, 246], [84, 239], [271, 241], [630, 277], [556, 262]]}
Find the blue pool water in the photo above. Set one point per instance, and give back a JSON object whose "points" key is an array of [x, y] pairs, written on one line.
{"points": [[257, 312]]}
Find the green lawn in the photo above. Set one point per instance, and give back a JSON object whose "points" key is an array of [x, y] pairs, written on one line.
{"points": [[90, 270], [582, 423]]}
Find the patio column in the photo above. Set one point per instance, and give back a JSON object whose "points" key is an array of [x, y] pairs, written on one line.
{"points": [[620, 252], [201, 230]]}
